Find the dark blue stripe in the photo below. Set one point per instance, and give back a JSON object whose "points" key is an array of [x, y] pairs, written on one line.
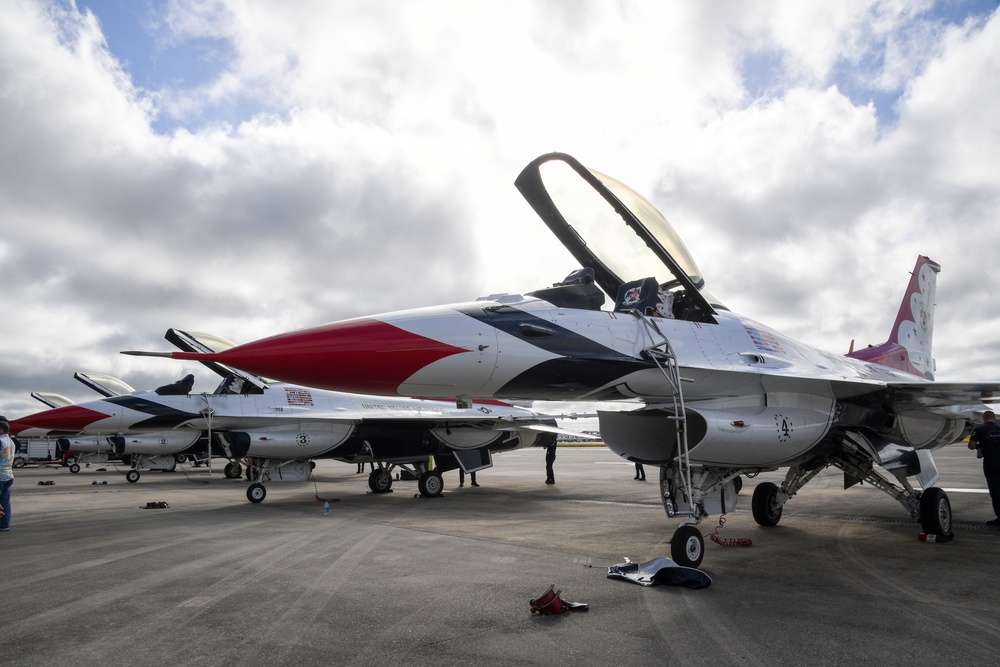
{"points": [[583, 366]]}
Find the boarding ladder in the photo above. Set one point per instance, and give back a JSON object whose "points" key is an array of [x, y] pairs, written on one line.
{"points": [[662, 354]]}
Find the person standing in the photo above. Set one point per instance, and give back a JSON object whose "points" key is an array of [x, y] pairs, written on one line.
{"points": [[6, 474], [461, 477], [986, 439], [550, 458], [640, 472]]}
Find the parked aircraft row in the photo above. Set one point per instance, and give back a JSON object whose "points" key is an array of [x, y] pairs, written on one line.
{"points": [[278, 428], [722, 394]]}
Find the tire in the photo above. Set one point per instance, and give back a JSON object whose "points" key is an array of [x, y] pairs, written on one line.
{"points": [[132, 476], [379, 481], [75, 468], [19, 462], [935, 512], [430, 484], [738, 484], [687, 547], [256, 492], [180, 458], [766, 511], [233, 470]]}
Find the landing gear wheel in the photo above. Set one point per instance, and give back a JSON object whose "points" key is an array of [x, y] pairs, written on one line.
{"points": [[430, 484], [687, 547], [738, 484], [380, 481], [180, 458], [132, 476], [256, 492], [19, 462], [75, 468], [233, 470], [935, 512], [766, 510]]}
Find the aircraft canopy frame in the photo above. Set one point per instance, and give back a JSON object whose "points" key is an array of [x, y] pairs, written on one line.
{"points": [[587, 218]]}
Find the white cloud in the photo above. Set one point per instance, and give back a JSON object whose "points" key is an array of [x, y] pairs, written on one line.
{"points": [[350, 158]]}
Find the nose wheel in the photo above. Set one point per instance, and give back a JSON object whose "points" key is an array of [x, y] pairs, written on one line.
{"points": [[687, 547]]}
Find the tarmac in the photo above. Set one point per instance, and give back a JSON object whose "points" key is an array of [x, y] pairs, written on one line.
{"points": [[93, 577]]}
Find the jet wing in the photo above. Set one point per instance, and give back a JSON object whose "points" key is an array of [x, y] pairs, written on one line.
{"points": [[429, 415], [951, 397], [560, 431]]}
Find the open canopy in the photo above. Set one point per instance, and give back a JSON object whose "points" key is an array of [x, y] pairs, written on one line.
{"points": [[609, 227]]}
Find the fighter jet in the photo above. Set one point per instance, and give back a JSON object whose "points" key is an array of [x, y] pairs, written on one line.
{"points": [[723, 395], [141, 451], [279, 428]]}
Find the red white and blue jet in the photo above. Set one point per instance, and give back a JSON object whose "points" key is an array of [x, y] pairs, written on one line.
{"points": [[277, 428], [723, 395]]}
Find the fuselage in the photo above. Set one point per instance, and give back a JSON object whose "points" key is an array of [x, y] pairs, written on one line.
{"points": [[283, 421], [527, 348], [753, 397]]}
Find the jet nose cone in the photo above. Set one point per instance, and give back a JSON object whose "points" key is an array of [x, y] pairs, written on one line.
{"points": [[71, 419], [363, 356]]}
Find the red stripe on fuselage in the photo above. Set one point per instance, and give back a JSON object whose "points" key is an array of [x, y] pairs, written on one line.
{"points": [[365, 356]]}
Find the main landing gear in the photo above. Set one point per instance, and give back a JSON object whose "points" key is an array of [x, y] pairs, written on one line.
{"points": [[930, 507], [429, 482], [712, 490]]}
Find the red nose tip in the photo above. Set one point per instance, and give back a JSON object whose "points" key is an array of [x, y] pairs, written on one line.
{"points": [[363, 356], [71, 418]]}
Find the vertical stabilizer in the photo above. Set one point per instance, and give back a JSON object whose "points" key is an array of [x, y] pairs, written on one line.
{"points": [[909, 345]]}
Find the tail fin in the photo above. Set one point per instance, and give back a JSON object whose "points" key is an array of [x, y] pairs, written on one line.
{"points": [[909, 346]]}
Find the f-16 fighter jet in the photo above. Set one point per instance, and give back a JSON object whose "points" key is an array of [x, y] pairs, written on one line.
{"points": [[723, 395], [279, 428]]}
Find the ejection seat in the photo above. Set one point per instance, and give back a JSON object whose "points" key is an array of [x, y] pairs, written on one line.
{"points": [[182, 387], [577, 290]]}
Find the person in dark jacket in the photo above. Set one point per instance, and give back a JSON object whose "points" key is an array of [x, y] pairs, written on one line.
{"points": [[986, 439], [550, 458]]}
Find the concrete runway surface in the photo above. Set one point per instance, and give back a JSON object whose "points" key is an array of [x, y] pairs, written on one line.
{"points": [[91, 577]]}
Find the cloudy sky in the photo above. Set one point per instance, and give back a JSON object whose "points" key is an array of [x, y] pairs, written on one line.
{"points": [[249, 167]]}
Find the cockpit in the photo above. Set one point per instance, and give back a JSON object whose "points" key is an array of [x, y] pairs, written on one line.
{"points": [[629, 251]]}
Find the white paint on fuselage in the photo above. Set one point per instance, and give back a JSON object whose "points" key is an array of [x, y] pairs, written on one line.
{"points": [[709, 354]]}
